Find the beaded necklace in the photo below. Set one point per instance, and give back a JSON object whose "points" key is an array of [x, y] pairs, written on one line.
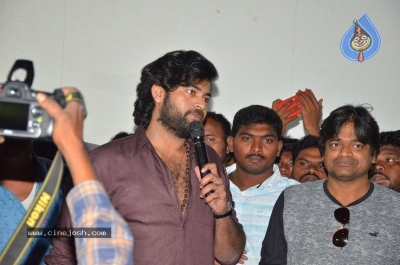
{"points": [[185, 196]]}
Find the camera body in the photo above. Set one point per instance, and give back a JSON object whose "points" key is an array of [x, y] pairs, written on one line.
{"points": [[20, 114]]}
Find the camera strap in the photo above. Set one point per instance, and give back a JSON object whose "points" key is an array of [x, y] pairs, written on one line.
{"points": [[19, 243]]}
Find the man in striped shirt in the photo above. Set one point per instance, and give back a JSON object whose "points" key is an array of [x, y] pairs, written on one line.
{"points": [[256, 183]]}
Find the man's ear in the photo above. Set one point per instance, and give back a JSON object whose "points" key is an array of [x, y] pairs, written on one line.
{"points": [[374, 158], [230, 144], [280, 144], [158, 93]]}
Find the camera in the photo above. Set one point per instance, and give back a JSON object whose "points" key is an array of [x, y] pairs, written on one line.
{"points": [[20, 114]]}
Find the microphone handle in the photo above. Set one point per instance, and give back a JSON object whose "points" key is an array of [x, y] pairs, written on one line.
{"points": [[202, 157]]}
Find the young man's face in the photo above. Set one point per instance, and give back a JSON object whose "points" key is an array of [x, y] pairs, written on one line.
{"points": [[214, 137], [285, 164], [345, 157], [308, 166], [184, 105], [255, 148], [387, 167]]}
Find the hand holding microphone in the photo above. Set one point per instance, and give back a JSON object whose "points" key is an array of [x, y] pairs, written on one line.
{"points": [[197, 135], [214, 193]]}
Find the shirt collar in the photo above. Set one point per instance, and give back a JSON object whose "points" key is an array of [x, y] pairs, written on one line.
{"points": [[272, 182]]}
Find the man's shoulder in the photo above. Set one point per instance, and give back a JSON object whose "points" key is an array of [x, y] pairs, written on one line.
{"points": [[386, 194], [305, 188], [279, 182], [286, 182], [127, 146], [383, 202]]}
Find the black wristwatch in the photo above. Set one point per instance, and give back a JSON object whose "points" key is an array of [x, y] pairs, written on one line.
{"points": [[225, 214]]}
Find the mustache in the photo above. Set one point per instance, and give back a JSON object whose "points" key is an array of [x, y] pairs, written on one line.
{"points": [[255, 154], [346, 160], [195, 111], [380, 173], [305, 175]]}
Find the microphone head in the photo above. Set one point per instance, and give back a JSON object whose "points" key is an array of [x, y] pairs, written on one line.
{"points": [[196, 129]]}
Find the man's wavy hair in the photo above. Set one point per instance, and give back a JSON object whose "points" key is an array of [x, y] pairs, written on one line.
{"points": [[365, 126], [177, 68], [389, 138]]}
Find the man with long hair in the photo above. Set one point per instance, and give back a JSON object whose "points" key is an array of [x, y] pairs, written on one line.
{"points": [[152, 177]]}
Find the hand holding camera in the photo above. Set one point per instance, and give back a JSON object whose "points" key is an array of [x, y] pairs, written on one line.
{"points": [[21, 116]]}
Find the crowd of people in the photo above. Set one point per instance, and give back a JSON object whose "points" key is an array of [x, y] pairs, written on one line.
{"points": [[266, 198]]}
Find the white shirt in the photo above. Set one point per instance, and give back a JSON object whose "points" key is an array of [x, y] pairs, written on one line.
{"points": [[253, 208]]}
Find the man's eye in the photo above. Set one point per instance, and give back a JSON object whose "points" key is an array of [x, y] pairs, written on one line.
{"points": [[210, 139], [390, 160], [191, 91], [206, 100]]}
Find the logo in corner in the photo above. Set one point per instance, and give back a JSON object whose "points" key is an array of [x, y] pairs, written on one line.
{"points": [[361, 41]]}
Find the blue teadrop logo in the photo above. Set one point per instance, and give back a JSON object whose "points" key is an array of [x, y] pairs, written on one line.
{"points": [[361, 41]]}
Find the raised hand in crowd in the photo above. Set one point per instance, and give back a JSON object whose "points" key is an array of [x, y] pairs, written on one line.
{"points": [[311, 111], [284, 113]]}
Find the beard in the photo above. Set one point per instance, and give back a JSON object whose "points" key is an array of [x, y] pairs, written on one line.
{"points": [[394, 187], [173, 121], [343, 177]]}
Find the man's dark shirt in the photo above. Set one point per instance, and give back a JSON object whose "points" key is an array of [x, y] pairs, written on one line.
{"points": [[142, 190]]}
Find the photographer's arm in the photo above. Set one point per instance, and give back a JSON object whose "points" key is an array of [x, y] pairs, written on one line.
{"points": [[87, 201], [67, 135]]}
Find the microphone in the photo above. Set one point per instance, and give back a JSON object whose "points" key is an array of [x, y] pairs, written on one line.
{"points": [[197, 135]]}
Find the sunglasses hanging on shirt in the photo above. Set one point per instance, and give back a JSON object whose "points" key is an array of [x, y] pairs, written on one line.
{"points": [[341, 236]]}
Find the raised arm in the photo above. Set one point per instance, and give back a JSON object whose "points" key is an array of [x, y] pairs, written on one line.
{"points": [[284, 114], [87, 202], [311, 109]]}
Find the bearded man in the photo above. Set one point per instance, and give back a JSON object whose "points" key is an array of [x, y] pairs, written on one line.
{"points": [[152, 177]]}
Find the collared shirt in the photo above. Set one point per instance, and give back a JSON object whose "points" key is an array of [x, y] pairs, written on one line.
{"points": [[12, 211], [254, 207], [90, 207], [141, 188], [230, 169]]}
